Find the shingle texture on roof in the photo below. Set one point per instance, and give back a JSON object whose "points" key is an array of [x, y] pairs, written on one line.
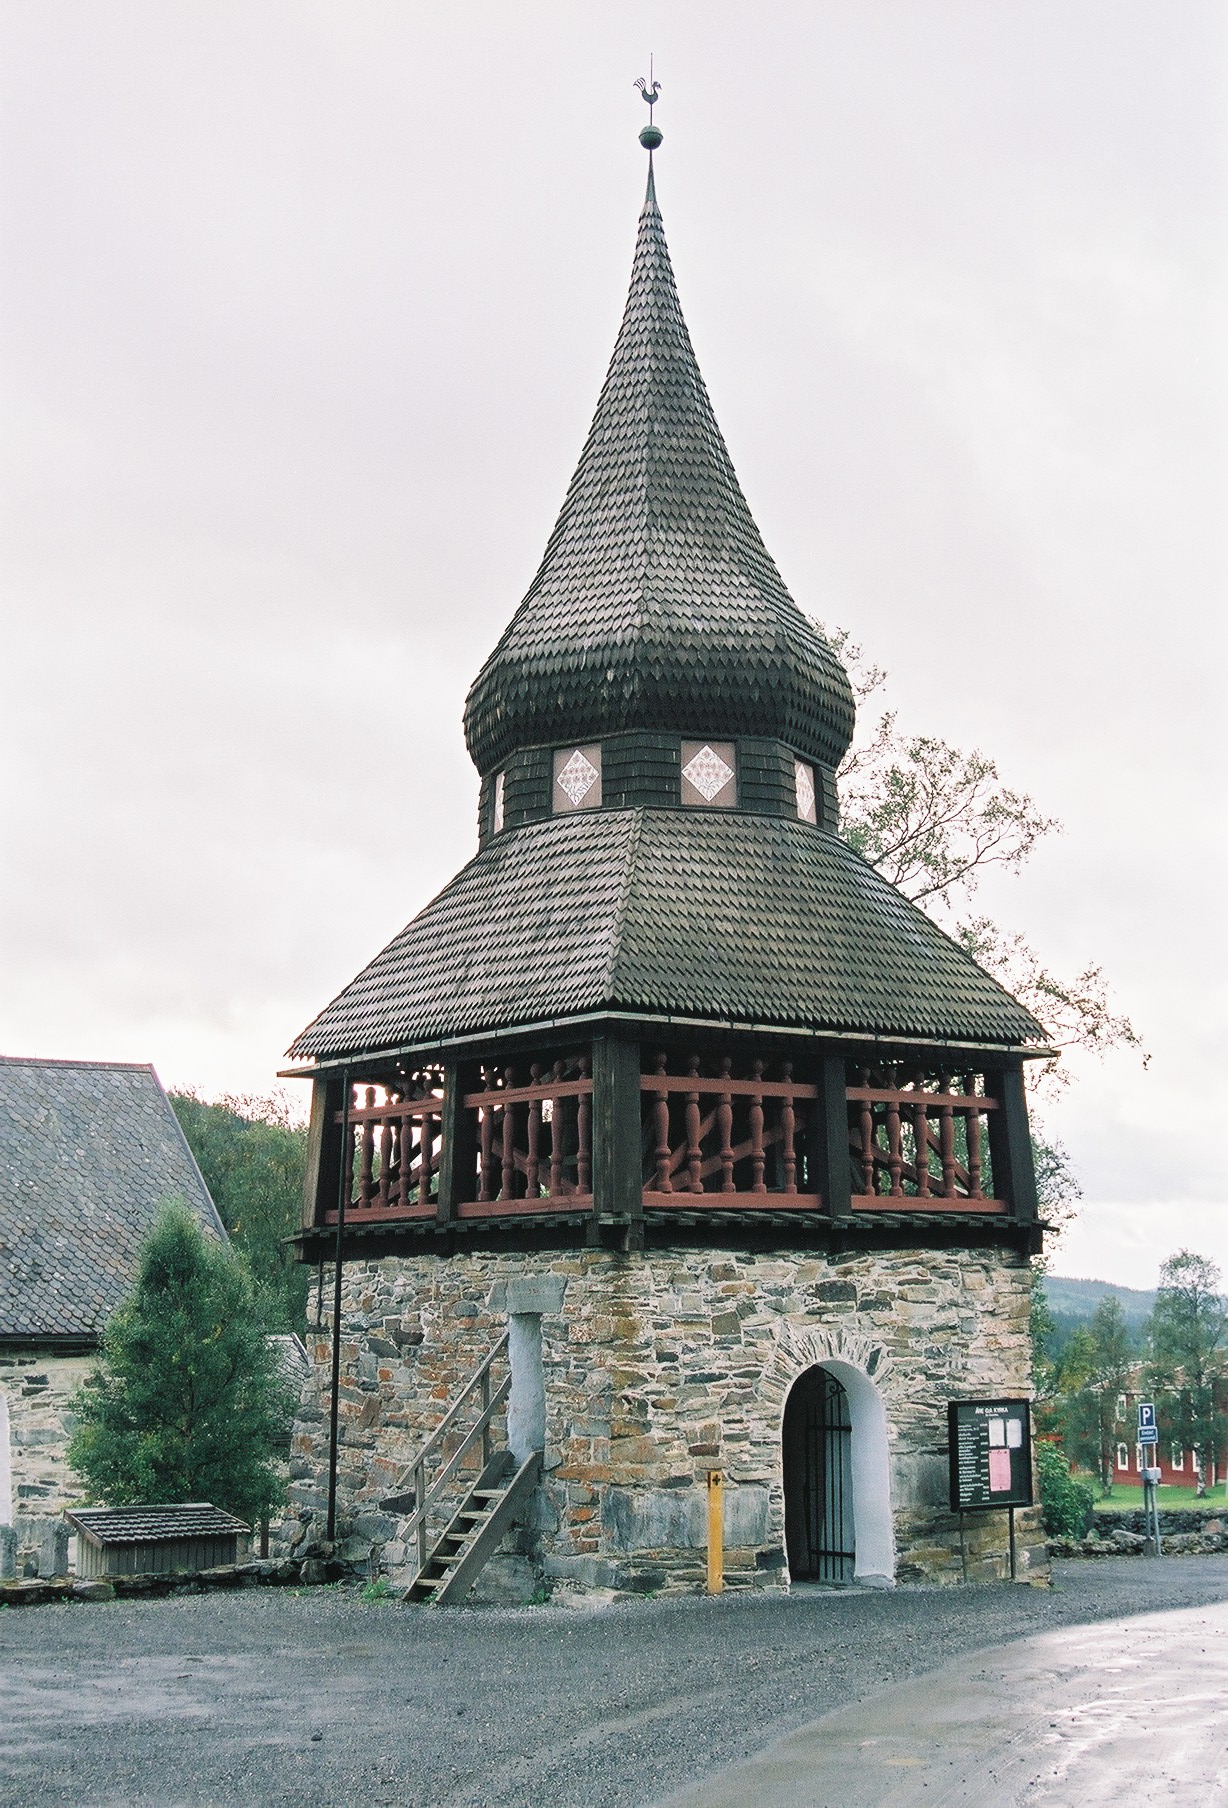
{"points": [[716, 914], [89, 1150], [154, 1525], [657, 603]]}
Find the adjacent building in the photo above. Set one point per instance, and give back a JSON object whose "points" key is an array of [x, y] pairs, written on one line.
{"points": [[89, 1152]]}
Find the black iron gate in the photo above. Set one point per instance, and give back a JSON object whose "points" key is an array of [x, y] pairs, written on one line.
{"points": [[818, 1480]]}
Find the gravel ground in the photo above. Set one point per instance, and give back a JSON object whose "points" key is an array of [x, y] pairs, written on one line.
{"points": [[322, 1700]]}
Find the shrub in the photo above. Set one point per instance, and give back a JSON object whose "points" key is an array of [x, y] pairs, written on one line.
{"points": [[1066, 1503]]}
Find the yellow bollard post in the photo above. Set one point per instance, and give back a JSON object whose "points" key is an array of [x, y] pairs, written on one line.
{"points": [[716, 1532]]}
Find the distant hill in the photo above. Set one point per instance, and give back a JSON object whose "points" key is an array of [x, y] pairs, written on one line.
{"points": [[1073, 1303]]}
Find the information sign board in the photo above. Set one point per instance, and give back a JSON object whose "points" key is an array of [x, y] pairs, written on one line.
{"points": [[991, 1454]]}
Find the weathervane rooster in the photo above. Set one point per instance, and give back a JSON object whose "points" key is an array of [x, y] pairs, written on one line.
{"points": [[650, 90]]}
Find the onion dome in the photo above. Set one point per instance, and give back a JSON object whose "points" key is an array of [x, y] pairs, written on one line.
{"points": [[656, 603]]}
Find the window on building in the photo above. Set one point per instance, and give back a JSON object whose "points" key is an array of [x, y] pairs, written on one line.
{"points": [[1177, 1456], [496, 807], [710, 774], [577, 778], [1121, 1406], [1123, 1457], [803, 785]]}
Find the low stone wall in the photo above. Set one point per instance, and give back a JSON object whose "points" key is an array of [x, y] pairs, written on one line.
{"points": [[659, 1367]]}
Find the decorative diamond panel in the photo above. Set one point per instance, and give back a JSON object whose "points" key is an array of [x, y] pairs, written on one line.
{"points": [[707, 773], [577, 778], [803, 779]]}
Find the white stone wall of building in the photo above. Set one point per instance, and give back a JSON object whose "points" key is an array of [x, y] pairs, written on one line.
{"points": [[38, 1386], [661, 1366]]}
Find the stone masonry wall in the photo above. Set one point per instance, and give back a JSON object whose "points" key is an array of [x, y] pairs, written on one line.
{"points": [[659, 1367], [38, 1386]]}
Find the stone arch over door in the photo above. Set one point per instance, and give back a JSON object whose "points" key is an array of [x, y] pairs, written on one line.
{"points": [[859, 1365]]}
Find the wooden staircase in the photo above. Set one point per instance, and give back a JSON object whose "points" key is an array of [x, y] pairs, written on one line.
{"points": [[476, 1530], [449, 1563]]}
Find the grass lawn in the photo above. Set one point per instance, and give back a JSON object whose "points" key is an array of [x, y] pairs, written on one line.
{"points": [[1128, 1498]]}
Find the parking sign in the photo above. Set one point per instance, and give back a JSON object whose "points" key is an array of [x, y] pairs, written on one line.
{"points": [[1148, 1430]]}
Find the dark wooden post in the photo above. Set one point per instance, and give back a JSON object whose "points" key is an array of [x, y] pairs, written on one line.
{"points": [[323, 1149], [1010, 1144], [617, 1182], [458, 1151], [829, 1137]]}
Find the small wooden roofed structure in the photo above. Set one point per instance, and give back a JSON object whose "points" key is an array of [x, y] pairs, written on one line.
{"points": [[150, 1541]]}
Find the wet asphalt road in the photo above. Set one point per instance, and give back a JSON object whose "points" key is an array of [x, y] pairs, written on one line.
{"points": [[321, 1700], [1054, 1721]]}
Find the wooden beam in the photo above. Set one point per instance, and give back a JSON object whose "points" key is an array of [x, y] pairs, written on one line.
{"points": [[323, 1150], [458, 1153], [617, 1182], [1010, 1144], [829, 1138]]}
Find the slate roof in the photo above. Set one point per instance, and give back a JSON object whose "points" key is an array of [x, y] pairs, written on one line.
{"points": [[156, 1525], [89, 1150], [657, 603], [716, 914]]}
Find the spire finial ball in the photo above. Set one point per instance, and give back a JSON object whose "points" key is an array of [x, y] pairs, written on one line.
{"points": [[650, 137]]}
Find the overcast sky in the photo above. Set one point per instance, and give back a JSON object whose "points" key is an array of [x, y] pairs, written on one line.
{"points": [[305, 311]]}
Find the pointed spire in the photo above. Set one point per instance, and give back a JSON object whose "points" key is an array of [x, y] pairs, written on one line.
{"points": [[656, 604]]}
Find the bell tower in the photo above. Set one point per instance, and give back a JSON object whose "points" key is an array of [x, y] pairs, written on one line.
{"points": [[669, 1049]]}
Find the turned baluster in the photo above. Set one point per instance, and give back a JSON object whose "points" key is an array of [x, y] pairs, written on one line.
{"points": [[385, 1160], [694, 1155], [486, 1174], [508, 1173], [724, 1125], [946, 1140], [895, 1145], [757, 1183], [366, 1185], [398, 1186], [921, 1138], [426, 1135], [867, 1139], [532, 1158], [973, 1125], [584, 1134], [788, 1127], [556, 1136], [660, 1120]]}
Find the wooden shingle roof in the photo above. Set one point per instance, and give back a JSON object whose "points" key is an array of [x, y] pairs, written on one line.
{"points": [[89, 1151], [657, 603], [709, 914], [156, 1524]]}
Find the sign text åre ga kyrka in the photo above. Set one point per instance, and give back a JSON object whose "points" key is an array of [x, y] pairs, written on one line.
{"points": [[990, 1454]]}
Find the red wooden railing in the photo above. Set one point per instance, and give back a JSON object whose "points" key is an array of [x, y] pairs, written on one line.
{"points": [[534, 1140], [737, 1143], [919, 1144], [390, 1157], [710, 1141]]}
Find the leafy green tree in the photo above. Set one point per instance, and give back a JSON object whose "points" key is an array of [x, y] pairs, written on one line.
{"points": [[253, 1155], [188, 1402], [934, 820], [1188, 1334], [1095, 1372]]}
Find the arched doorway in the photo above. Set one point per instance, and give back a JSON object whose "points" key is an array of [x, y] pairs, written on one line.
{"points": [[818, 1480]]}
